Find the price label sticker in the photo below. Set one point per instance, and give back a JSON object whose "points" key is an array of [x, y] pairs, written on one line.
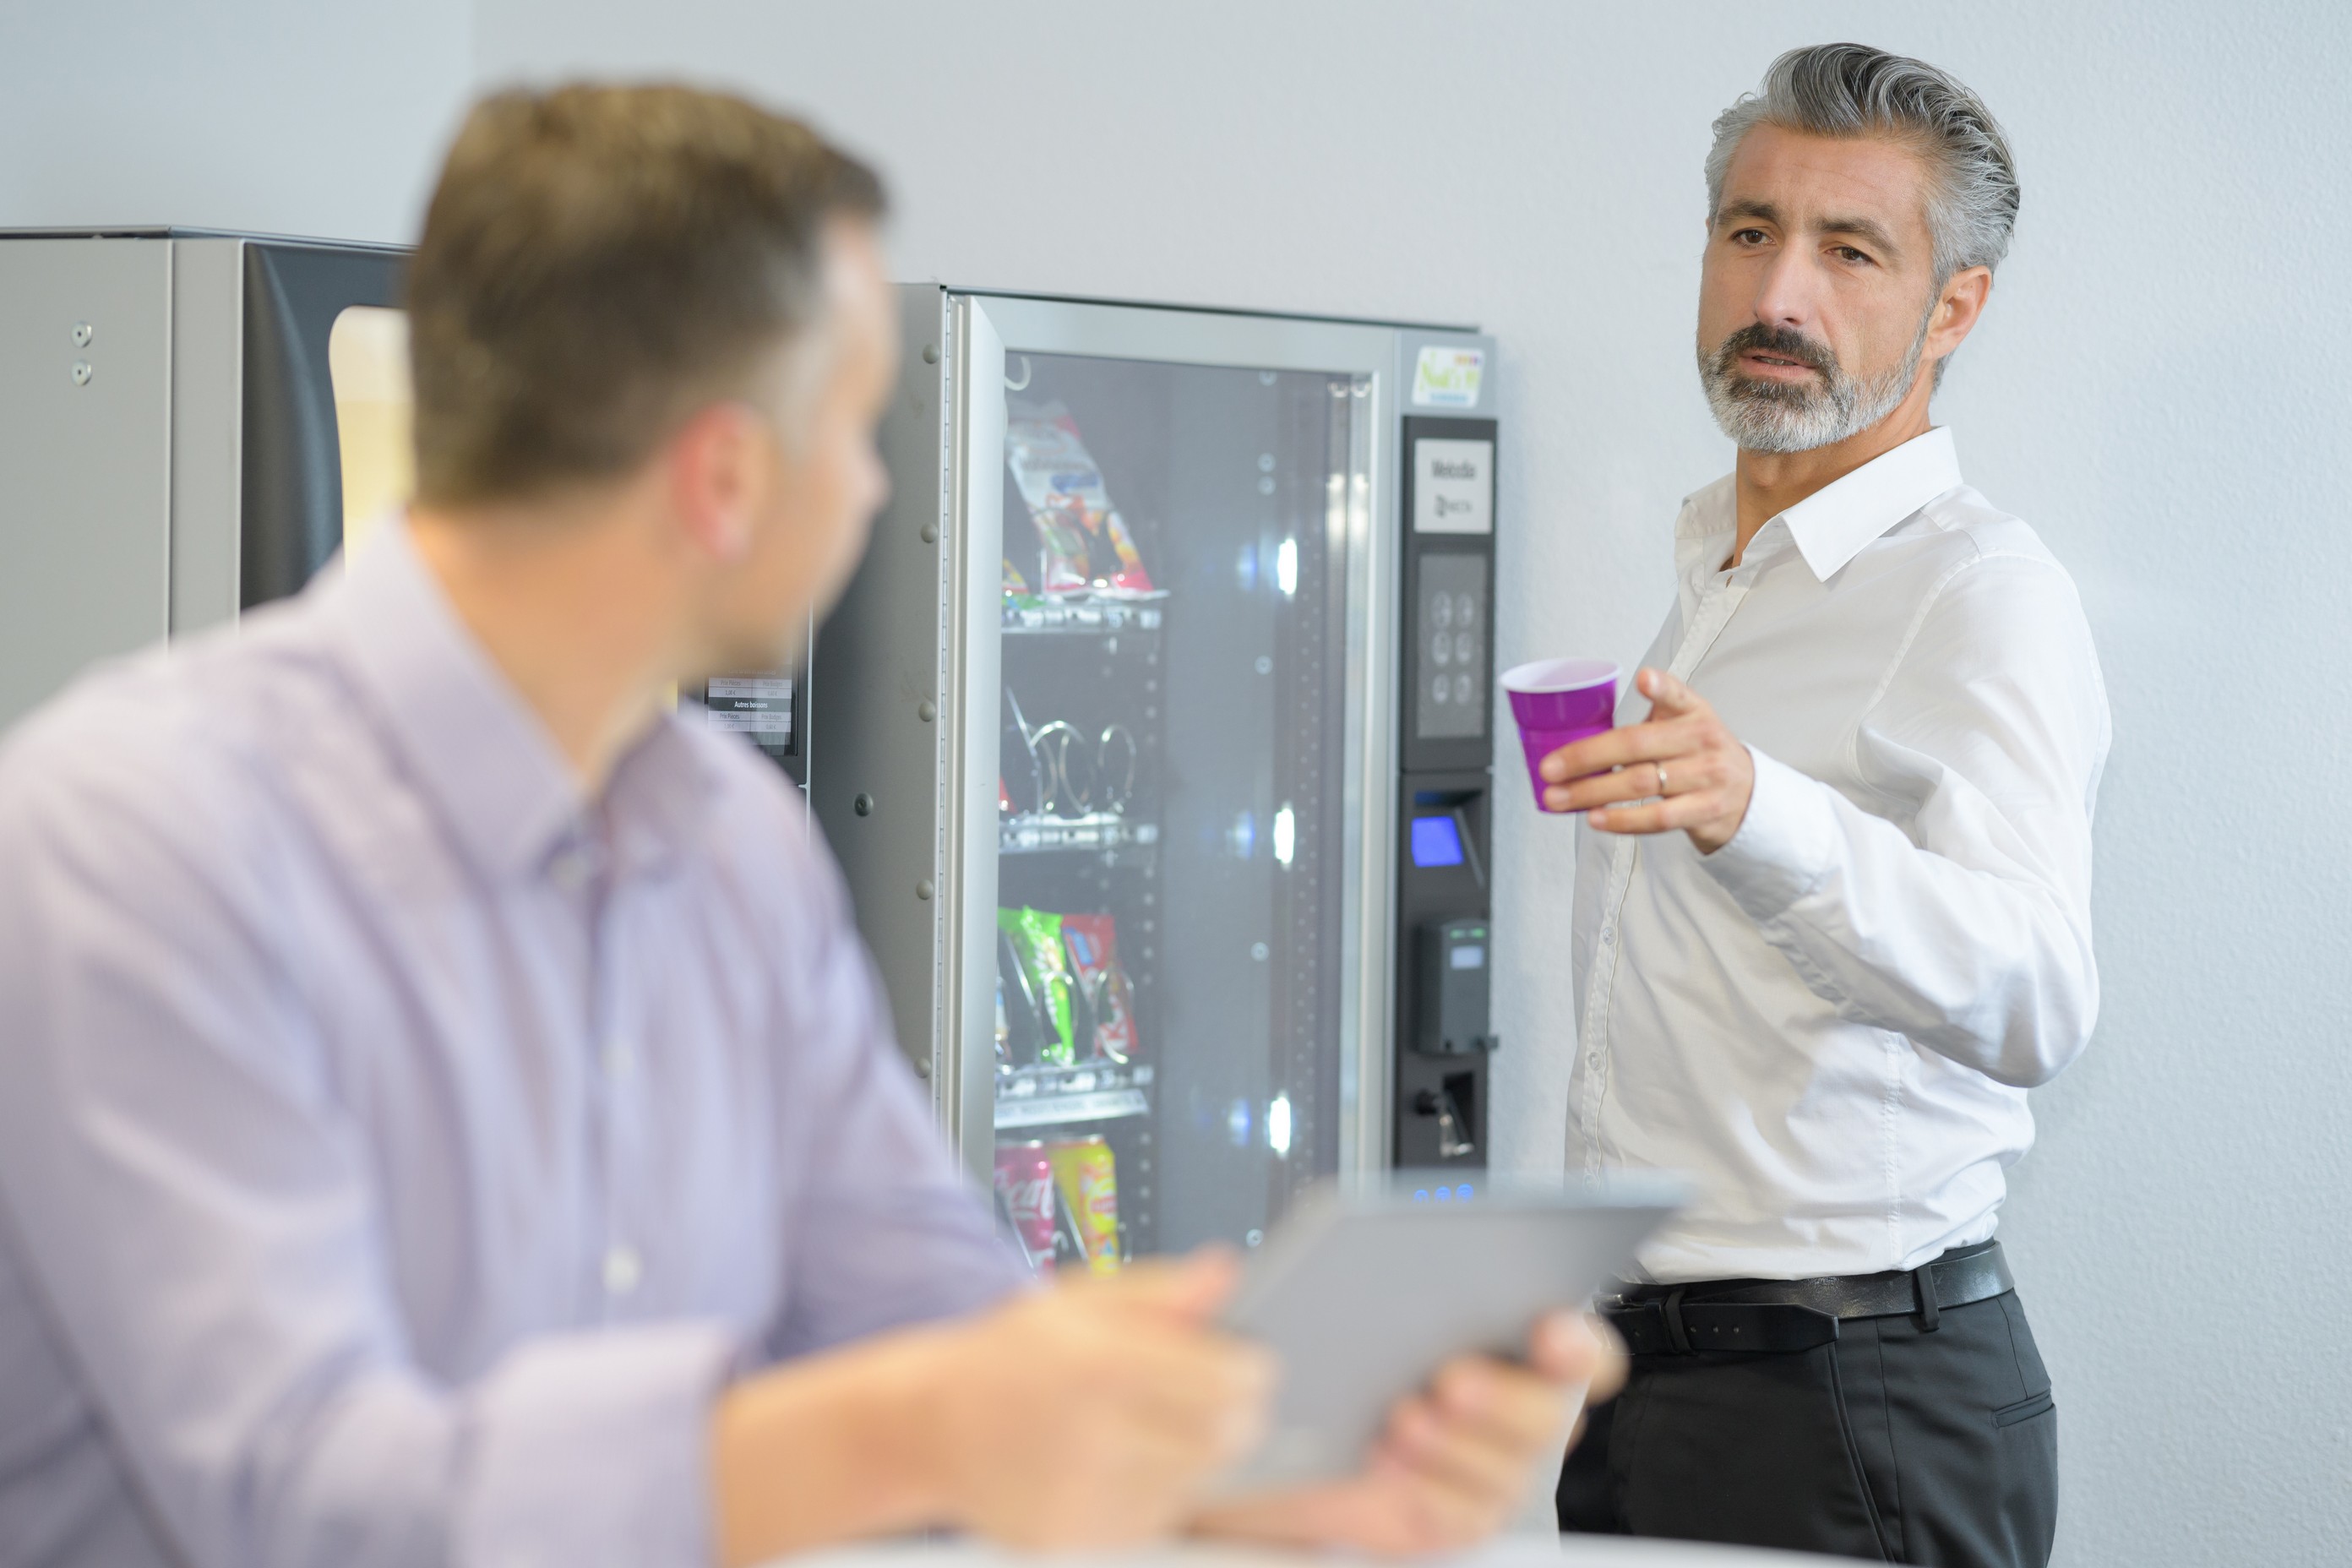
{"points": [[1453, 487]]}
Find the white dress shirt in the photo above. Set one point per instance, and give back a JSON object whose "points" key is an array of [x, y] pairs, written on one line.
{"points": [[1829, 1024]]}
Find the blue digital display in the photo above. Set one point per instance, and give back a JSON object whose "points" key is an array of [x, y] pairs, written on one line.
{"points": [[1436, 841]]}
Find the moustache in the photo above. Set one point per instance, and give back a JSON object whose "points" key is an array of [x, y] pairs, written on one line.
{"points": [[1781, 343]]}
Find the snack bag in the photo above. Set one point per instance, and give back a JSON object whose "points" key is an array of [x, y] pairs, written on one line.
{"points": [[1038, 944], [1087, 1178], [1103, 985], [1083, 541], [1016, 993]]}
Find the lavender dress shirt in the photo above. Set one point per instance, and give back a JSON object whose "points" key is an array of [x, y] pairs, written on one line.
{"points": [[398, 1149]]}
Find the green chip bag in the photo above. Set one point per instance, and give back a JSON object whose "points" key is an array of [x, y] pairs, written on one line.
{"points": [[1036, 937]]}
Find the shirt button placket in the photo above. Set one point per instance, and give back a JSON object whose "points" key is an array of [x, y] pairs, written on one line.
{"points": [[1717, 600], [622, 1269]]}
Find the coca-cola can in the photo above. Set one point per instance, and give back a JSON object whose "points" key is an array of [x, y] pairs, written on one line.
{"points": [[1025, 1180]]}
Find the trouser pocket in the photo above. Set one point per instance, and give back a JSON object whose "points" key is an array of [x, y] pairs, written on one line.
{"points": [[1753, 1449]]}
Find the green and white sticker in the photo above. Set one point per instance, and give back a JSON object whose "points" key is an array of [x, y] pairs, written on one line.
{"points": [[1448, 377]]}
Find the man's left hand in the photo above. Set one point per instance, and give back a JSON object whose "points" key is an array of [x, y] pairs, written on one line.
{"points": [[1457, 1460], [1691, 771]]}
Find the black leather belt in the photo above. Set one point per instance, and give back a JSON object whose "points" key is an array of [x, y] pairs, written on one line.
{"points": [[1783, 1315]]}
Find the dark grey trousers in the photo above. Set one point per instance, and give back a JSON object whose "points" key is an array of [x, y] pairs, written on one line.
{"points": [[1888, 1443]]}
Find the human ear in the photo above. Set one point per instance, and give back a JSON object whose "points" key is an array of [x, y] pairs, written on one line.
{"points": [[714, 480], [1958, 310]]}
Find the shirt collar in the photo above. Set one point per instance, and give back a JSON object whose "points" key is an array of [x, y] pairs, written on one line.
{"points": [[474, 747], [1830, 527]]}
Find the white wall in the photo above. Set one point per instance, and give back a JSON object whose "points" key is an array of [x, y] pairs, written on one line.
{"points": [[2161, 387], [281, 116]]}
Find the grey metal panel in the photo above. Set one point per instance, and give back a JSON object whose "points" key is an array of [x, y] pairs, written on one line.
{"points": [[878, 668], [85, 543], [971, 673], [183, 231], [1369, 880], [1192, 337], [207, 417]]}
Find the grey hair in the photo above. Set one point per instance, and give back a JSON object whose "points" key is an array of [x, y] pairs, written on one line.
{"points": [[1853, 89]]}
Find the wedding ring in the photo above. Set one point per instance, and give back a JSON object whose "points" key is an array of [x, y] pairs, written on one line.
{"points": [[1662, 779]]}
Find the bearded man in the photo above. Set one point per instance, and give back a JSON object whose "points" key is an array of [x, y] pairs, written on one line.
{"points": [[1833, 898]]}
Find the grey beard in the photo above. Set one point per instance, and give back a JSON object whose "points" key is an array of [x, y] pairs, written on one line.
{"points": [[1778, 416]]}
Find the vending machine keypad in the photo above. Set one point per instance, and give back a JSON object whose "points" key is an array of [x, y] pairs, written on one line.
{"points": [[1451, 638]]}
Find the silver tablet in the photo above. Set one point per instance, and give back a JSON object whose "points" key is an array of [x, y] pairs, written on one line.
{"points": [[1363, 1298]]}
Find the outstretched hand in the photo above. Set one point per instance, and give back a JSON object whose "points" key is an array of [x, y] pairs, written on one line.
{"points": [[1686, 770]]}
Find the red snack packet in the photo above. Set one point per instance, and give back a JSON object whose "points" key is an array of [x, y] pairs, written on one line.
{"points": [[1109, 996]]}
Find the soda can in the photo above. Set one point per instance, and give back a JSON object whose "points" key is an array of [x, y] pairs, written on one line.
{"points": [[1089, 1179], [1024, 1181]]}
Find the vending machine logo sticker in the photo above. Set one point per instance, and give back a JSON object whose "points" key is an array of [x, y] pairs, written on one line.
{"points": [[1448, 377]]}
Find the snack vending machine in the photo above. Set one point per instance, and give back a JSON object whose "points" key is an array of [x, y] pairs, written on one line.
{"points": [[1154, 735]]}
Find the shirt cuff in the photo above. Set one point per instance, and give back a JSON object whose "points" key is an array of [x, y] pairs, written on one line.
{"points": [[594, 1447], [1783, 847]]}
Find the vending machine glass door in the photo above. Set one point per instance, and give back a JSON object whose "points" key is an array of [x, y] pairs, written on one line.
{"points": [[1176, 816]]}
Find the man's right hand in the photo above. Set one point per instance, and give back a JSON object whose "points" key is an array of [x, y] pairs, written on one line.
{"points": [[1083, 1416], [1088, 1416]]}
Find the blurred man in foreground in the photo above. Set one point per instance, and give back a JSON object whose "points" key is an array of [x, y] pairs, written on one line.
{"points": [[450, 1115]]}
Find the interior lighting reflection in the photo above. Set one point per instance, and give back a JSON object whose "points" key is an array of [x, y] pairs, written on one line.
{"points": [[1285, 835], [1278, 1125], [1286, 568]]}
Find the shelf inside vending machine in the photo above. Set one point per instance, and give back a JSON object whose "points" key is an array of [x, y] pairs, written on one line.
{"points": [[1034, 833], [1050, 1096], [1081, 614]]}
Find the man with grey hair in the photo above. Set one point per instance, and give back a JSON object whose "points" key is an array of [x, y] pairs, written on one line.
{"points": [[1833, 904]]}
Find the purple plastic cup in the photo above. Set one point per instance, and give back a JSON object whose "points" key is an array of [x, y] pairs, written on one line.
{"points": [[1557, 701]]}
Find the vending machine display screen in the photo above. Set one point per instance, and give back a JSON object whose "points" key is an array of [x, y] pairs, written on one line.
{"points": [[1436, 841], [367, 362]]}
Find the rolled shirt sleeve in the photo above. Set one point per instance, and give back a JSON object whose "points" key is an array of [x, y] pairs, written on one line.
{"points": [[1953, 906], [195, 1210]]}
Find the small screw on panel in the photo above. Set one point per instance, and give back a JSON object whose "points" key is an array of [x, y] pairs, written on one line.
{"points": [[82, 333], [927, 711], [930, 353], [81, 373], [930, 532], [922, 1068], [923, 890], [864, 805]]}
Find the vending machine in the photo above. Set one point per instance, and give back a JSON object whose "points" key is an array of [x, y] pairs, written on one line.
{"points": [[1154, 734], [187, 418], [1155, 737]]}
